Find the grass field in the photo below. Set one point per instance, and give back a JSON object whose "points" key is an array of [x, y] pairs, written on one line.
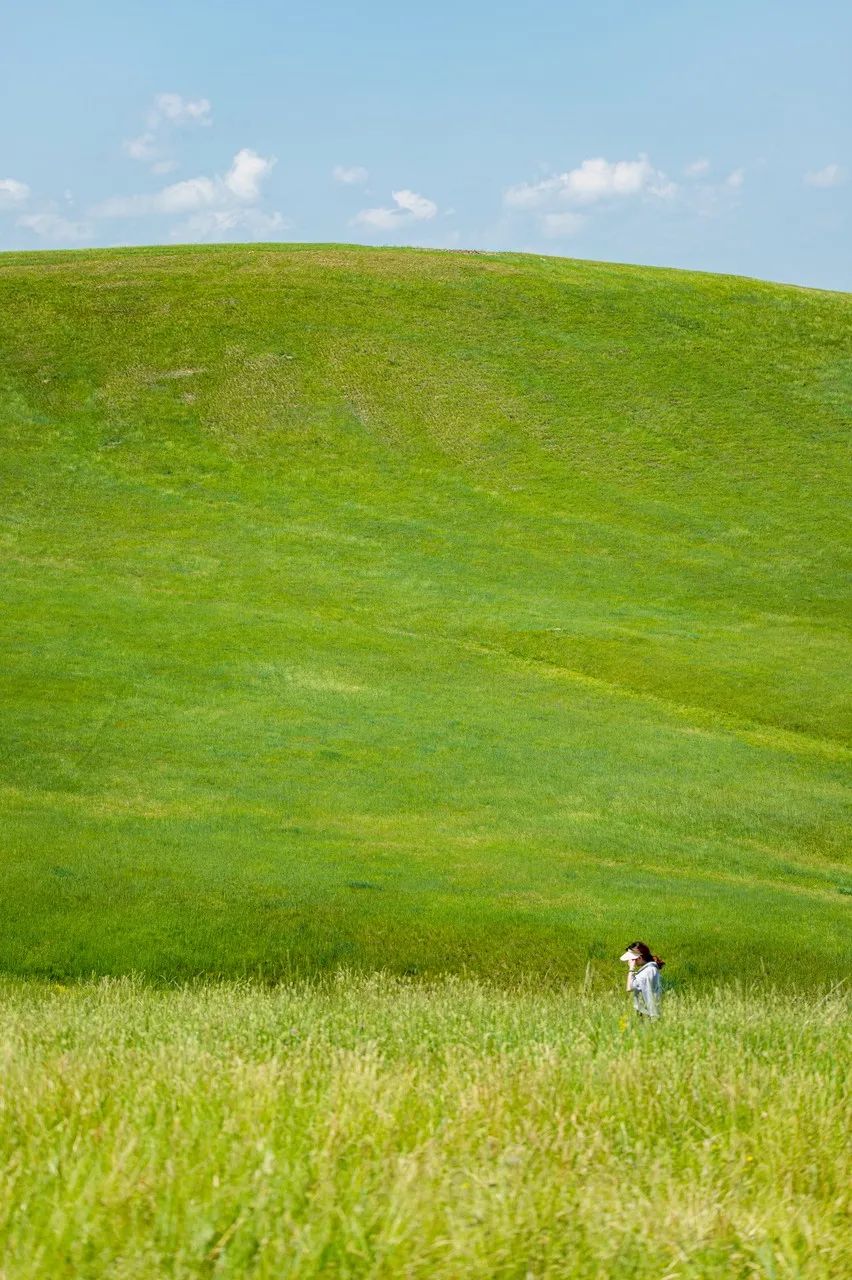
{"points": [[370, 1126], [425, 610], [417, 629]]}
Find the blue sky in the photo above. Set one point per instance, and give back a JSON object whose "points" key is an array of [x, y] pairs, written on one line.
{"points": [[707, 135]]}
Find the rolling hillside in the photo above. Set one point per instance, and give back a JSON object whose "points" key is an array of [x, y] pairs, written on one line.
{"points": [[420, 610]]}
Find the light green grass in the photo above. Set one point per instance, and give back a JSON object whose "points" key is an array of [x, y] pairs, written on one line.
{"points": [[370, 1127], [420, 610]]}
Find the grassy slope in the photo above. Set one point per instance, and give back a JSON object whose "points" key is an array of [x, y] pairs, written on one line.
{"points": [[419, 609]]}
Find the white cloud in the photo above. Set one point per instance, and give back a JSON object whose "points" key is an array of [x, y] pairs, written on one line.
{"points": [[142, 148], [223, 224], [594, 180], [242, 183], [213, 208], [245, 175], [52, 226], [663, 188], [418, 206], [45, 223], [179, 110], [147, 149], [13, 193], [167, 112], [353, 175], [381, 219], [830, 176], [562, 224], [180, 197], [559, 201], [410, 207], [706, 196]]}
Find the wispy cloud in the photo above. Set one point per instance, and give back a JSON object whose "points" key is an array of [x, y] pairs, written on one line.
{"points": [[351, 175], [180, 197], [556, 225], [45, 222], [13, 193], [241, 184], [55, 227], [168, 111], [179, 110], [561, 204], [593, 181], [697, 168], [418, 206], [211, 207], [409, 207], [830, 176], [225, 224], [705, 197], [142, 148]]}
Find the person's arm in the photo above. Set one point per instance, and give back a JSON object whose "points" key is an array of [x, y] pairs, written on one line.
{"points": [[631, 965]]}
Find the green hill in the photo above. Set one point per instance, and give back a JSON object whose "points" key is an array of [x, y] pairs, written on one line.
{"points": [[423, 610]]}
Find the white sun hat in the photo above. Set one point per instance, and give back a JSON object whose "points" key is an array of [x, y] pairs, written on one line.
{"points": [[630, 955]]}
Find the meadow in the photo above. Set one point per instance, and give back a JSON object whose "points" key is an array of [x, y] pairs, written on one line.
{"points": [[388, 638], [371, 1126], [420, 611]]}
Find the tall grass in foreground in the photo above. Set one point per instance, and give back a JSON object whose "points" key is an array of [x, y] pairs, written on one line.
{"points": [[368, 1126]]}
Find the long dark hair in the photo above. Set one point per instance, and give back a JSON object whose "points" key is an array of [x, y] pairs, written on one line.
{"points": [[646, 954]]}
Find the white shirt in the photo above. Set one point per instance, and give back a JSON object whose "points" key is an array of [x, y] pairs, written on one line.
{"points": [[647, 988]]}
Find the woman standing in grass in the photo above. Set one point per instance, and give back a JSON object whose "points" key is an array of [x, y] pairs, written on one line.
{"points": [[643, 979]]}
